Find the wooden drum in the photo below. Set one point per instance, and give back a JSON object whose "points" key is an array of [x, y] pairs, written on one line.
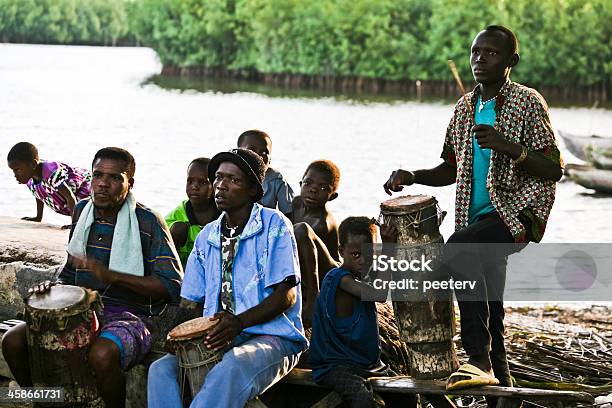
{"points": [[194, 358], [61, 325], [426, 321]]}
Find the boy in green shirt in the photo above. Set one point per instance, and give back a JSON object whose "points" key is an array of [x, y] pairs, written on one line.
{"points": [[187, 220]]}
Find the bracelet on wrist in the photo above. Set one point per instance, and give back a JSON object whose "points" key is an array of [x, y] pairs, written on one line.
{"points": [[522, 156], [411, 177]]}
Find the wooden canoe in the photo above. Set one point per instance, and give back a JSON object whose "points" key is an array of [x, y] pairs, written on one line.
{"points": [[580, 146], [602, 159], [590, 177]]}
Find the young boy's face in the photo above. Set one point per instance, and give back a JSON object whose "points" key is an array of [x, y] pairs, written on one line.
{"points": [[261, 146], [198, 188], [22, 170], [353, 258], [316, 189], [491, 57]]}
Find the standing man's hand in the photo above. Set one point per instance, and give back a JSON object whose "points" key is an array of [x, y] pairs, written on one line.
{"points": [[224, 332], [397, 180], [489, 138]]}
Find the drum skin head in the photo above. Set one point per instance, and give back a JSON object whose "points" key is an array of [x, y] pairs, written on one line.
{"points": [[58, 297], [191, 329], [408, 202]]}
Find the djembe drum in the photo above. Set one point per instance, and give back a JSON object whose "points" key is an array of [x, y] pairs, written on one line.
{"points": [[425, 320], [194, 358], [61, 325]]}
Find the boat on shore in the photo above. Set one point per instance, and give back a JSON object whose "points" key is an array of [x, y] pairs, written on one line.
{"points": [[582, 146], [602, 159], [590, 177]]}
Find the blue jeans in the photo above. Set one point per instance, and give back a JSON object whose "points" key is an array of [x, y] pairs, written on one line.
{"points": [[249, 368]]}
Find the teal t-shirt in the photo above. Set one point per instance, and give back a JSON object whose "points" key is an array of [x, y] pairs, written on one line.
{"points": [[480, 203]]}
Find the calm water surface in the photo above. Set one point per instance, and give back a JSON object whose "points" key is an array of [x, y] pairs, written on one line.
{"points": [[71, 101]]}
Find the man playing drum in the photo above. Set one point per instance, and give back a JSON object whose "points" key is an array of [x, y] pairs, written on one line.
{"points": [[244, 272], [505, 162], [124, 251]]}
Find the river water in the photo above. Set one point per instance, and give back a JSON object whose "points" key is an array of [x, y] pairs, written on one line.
{"points": [[71, 101]]}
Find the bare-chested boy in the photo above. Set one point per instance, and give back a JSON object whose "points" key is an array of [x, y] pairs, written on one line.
{"points": [[316, 229]]}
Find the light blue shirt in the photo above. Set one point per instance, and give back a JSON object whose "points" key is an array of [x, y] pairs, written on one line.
{"points": [[266, 256], [277, 192], [480, 202]]}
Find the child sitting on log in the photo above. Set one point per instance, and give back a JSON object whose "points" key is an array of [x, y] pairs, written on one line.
{"points": [[316, 229], [53, 183], [345, 343], [277, 192], [187, 220]]}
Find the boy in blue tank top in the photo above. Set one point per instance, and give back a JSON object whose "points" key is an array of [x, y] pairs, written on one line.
{"points": [[345, 345]]}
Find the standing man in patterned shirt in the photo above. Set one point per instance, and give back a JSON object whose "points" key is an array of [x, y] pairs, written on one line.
{"points": [[243, 272], [505, 162]]}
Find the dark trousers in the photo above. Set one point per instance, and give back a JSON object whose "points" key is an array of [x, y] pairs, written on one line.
{"points": [[356, 391], [482, 309]]}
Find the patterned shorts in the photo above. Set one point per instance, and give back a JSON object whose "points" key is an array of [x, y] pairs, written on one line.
{"points": [[129, 332]]}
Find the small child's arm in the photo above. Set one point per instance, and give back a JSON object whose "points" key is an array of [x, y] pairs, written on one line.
{"points": [[40, 206], [68, 196], [179, 231], [362, 290]]}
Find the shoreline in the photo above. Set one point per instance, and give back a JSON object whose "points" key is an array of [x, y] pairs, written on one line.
{"points": [[594, 95]]}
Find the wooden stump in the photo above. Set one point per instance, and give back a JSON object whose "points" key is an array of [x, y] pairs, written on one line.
{"points": [[426, 320], [427, 330]]}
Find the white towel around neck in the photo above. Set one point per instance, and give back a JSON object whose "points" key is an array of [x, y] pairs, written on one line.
{"points": [[126, 249]]}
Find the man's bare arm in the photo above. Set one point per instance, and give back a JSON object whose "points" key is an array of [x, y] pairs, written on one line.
{"points": [[534, 163], [442, 175]]}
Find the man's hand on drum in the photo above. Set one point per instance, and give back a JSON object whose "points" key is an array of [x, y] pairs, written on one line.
{"points": [[224, 332], [41, 287], [97, 269], [398, 179]]}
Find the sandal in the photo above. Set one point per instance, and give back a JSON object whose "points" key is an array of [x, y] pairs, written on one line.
{"points": [[476, 377]]}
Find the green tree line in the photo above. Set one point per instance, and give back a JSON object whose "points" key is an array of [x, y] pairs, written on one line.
{"points": [[99, 22], [562, 42]]}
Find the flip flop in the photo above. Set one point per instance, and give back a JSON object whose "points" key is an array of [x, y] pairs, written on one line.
{"points": [[476, 377]]}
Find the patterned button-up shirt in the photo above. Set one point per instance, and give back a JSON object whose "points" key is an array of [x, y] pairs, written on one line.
{"points": [[56, 174], [521, 117]]}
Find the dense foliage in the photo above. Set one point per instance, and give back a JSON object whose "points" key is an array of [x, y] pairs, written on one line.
{"points": [[562, 41], [101, 22]]}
